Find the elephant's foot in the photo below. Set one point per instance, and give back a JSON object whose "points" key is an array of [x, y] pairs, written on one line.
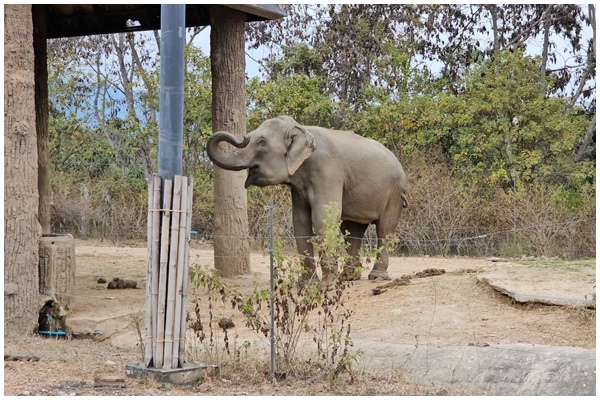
{"points": [[351, 274], [379, 274]]}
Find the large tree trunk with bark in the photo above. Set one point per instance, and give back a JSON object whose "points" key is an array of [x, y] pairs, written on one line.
{"points": [[21, 226], [228, 66], [41, 114]]}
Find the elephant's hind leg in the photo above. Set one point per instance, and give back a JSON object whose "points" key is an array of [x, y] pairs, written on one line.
{"points": [[382, 260], [386, 226], [356, 231]]}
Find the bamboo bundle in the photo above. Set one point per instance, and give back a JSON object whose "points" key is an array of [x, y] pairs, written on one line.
{"points": [[167, 272]]}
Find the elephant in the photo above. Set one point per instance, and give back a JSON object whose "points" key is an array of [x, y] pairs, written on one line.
{"points": [[322, 166]]}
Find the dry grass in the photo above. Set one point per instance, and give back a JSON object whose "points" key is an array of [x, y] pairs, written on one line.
{"points": [[68, 367]]}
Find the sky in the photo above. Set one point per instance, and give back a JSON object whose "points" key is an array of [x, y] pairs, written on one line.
{"points": [[252, 67]]}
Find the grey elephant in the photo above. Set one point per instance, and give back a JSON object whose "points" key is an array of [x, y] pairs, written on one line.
{"points": [[322, 166]]}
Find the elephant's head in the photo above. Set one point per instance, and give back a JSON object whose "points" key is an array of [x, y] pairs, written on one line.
{"points": [[271, 153]]}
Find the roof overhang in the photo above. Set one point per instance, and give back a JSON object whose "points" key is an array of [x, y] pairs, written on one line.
{"points": [[65, 20]]}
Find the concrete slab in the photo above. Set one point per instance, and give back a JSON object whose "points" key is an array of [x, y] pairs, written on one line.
{"points": [[189, 374], [117, 329], [553, 285], [503, 370]]}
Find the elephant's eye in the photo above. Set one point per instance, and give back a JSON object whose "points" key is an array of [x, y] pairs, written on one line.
{"points": [[262, 142]]}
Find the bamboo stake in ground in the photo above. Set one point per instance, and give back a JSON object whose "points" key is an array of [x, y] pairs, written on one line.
{"points": [[149, 267], [186, 271], [159, 337], [153, 205], [155, 252], [167, 271], [183, 227], [172, 272]]}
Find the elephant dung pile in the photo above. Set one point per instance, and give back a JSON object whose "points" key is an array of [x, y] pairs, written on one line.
{"points": [[118, 283], [405, 280]]}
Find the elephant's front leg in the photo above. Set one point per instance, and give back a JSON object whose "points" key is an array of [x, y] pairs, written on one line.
{"points": [[328, 262], [354, 233], [303, 231]]}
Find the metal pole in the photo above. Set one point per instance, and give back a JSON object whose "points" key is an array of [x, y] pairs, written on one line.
{"points": [[172, 44], [271, 244]]}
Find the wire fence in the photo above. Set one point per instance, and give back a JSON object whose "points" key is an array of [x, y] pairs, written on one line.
{"points": [[479, 244]]}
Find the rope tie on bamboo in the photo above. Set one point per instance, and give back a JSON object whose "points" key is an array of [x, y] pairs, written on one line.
{"points": [[163, 209], [165, 340]]}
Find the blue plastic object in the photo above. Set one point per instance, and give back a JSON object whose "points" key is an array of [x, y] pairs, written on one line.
{"points": [[52, 333]]}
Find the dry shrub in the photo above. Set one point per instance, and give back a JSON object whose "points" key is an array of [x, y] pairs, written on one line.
{"points": [[544, 227], [203, 206], [301, 312], [258, 216], [104, 208], [448, 218], [437, 216]]}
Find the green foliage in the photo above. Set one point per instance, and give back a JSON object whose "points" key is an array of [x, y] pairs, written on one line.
{"points": [[197, 118], [330, 245], [503, 130], [499, 131], [298, 96]]}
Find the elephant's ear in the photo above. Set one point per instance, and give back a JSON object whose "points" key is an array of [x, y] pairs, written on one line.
{"points": [[301, 147]]}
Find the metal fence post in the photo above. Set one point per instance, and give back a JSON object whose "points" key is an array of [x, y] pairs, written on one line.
{"points": [[271, 250]]}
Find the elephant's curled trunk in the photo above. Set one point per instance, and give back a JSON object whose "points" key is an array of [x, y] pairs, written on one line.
{"points": [[233, 161]]}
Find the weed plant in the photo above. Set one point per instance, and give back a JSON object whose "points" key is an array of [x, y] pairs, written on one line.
{"points": [[302, 314]]}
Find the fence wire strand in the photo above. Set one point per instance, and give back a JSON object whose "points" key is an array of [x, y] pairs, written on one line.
{"points": [[451, 240]]}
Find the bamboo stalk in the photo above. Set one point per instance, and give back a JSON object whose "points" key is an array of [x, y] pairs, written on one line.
{"points": [[172, 273], [157, 182], [183, 227], [149, 267], [186, 271], [159, 337]]}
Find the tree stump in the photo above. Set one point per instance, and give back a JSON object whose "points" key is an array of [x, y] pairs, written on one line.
{"points": [[57, 268]]}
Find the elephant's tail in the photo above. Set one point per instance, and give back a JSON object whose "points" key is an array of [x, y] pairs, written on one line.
{"points": [[404, 200]]}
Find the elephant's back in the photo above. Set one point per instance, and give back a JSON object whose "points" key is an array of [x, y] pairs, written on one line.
{"points": [[348, 142], [370, 175], [361, 153]]}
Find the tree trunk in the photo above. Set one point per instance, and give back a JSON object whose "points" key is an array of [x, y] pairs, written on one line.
{"points": [[228, 66], [496, 35], [546, 23], [21, 226], [587, 140], [41, 114]]}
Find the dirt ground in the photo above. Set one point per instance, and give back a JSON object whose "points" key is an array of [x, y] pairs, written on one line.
{"points": [[451, 309]]}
